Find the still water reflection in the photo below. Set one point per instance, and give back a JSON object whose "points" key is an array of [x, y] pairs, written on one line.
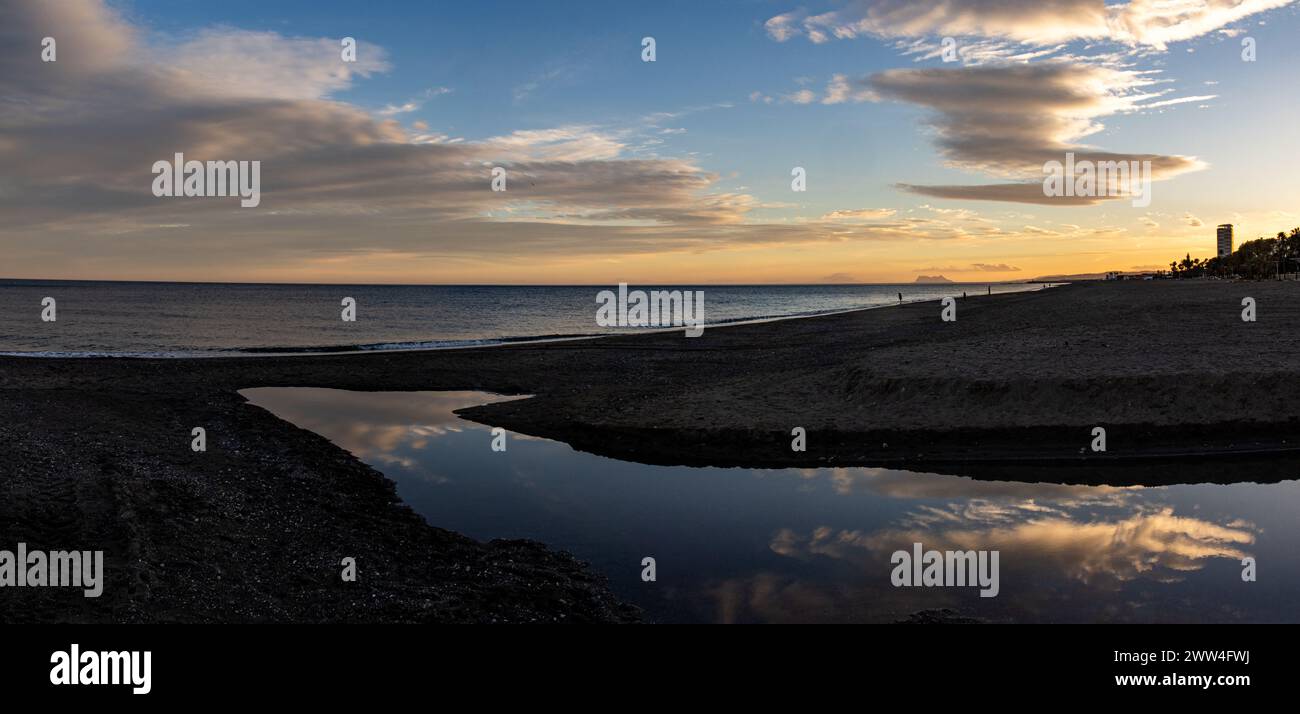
{"points": [[814, 545]]}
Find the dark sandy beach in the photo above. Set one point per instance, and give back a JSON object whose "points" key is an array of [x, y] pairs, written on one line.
{"points": [[95, 452]]}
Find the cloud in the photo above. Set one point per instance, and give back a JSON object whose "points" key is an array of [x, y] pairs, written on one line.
{"points": [[803, 96], [1007, 192], [1026, 20], [1009, 120], [564, 143], [414, 104], [903, 484], [1159, 22], [1179, 100], [1157, 545], [1149, 23], [1192, 221], [342, 188], [841, 89], [976, 51], [859, 214], [1035, 230], [556, 73], [240, 63]]}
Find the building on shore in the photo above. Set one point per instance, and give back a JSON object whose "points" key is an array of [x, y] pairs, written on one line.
{"points": [[1225, 239]]}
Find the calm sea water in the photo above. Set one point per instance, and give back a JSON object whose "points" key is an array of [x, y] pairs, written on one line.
{"points": [[177, 319], [814, 545]]}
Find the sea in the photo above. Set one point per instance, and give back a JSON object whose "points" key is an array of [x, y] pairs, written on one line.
{"points": [[159, 319]]}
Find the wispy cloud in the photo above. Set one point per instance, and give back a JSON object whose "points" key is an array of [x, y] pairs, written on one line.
{"points": [[859, 214], [556, 73], [1151, 23], [414, 104]]}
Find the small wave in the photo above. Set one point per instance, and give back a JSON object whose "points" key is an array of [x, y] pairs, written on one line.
{"points": [[98, 354], [297, 350], [417, 345]]}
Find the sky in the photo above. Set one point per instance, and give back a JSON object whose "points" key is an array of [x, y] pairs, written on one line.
{"points": [[915, 161]]}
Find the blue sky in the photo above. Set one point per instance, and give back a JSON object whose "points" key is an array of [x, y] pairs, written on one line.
{"points": [[739, 94]]}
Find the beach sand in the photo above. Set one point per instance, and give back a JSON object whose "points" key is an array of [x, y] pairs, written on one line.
{"points": [[95, 452]]}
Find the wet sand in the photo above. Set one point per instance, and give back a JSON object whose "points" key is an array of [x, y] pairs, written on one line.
{"points": [[95, 453]]}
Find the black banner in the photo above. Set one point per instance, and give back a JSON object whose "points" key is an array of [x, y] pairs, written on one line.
{"points": [[203, 664]]}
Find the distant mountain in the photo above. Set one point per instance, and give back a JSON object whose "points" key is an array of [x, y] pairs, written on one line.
{"points": [[932, 279], [1063, 278]]}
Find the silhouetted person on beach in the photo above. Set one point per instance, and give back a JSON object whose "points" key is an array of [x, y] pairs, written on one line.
{"points": [[900, 298]]}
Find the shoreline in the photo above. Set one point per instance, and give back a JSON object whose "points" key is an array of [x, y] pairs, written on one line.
{"points": [[479, 343], [96, 451]]}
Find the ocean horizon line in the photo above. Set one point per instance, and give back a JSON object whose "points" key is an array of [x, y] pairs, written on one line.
{"points": [[29, 281], [153, 319]]}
